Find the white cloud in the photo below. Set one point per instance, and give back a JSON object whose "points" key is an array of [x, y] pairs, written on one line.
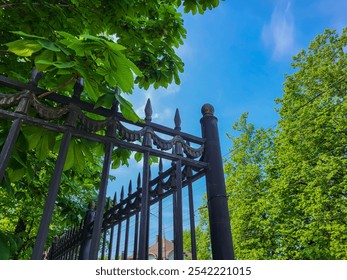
{"points": [[163, 114], [279, 33]]}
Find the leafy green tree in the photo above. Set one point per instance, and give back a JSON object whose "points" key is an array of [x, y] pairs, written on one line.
{"points": [[310, 193], [248, 188], [111, 45]]}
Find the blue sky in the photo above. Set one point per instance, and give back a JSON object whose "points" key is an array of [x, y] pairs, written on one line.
{"points": [[235, 58]]}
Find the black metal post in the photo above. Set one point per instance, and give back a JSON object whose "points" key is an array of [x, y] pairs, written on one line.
{"points": [[86, 233], [221, 240]]}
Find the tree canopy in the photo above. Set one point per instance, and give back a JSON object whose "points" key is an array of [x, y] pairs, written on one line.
{"points": [[111, 45], [108, 43]]}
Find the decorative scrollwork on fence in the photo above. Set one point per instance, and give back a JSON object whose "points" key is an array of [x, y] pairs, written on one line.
{"points": [[48, 112], [12, 99]]}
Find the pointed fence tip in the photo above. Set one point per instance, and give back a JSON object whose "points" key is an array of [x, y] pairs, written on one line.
{"points": [[139, 181], [130, 187], [122, 193], [115, 199], [160, 165], [177, 120], [148, 110]]}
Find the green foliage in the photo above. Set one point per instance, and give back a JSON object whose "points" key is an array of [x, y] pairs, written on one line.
{"points": [[9, 244], [108, 43], [100, 62], [248, 191], [112, 45], [311, 153]]}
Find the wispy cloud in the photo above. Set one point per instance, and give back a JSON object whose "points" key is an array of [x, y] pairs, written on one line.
{"points": [[279, 33], [162, 111]]}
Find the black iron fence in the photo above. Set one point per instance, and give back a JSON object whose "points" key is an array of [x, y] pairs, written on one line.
{"points": [[100, 235]]}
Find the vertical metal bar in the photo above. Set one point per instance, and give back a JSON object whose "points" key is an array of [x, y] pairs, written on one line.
{"points": [[160, 213], [9, 145], [178, 178], [136, 236], [144, 219], [12, 136], [126, 242], [85, 232], [112, 228], [160, 230], [143, 238], [191, 215], [69, 245], [221, 239], [55, 181], [103, 244], [174, 209], [179, 215], [148, 223], [79, 240], [105, 234], [118, 240], [75, 243], [101, 199], [51, 198], [111, 242]]}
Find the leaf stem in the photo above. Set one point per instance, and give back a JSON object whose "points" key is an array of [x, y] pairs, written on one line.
{"points": [[58, 87]]}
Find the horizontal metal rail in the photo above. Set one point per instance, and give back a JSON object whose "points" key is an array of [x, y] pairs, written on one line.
{"points": [[89, 107], [100, 138]]}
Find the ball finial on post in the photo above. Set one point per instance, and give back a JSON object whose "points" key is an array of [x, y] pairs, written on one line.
{"points": [[207, 109]]}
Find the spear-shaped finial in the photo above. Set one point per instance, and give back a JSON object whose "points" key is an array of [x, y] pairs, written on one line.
{"points": [[160, 166], [130, 187], [139, 181], [115, 199], [148, 111], [177, 120], [108, 203], [122, 193]]}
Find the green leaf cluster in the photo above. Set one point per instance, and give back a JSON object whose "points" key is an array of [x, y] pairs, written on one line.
{"points": [[100, 62], [126, 37]]}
